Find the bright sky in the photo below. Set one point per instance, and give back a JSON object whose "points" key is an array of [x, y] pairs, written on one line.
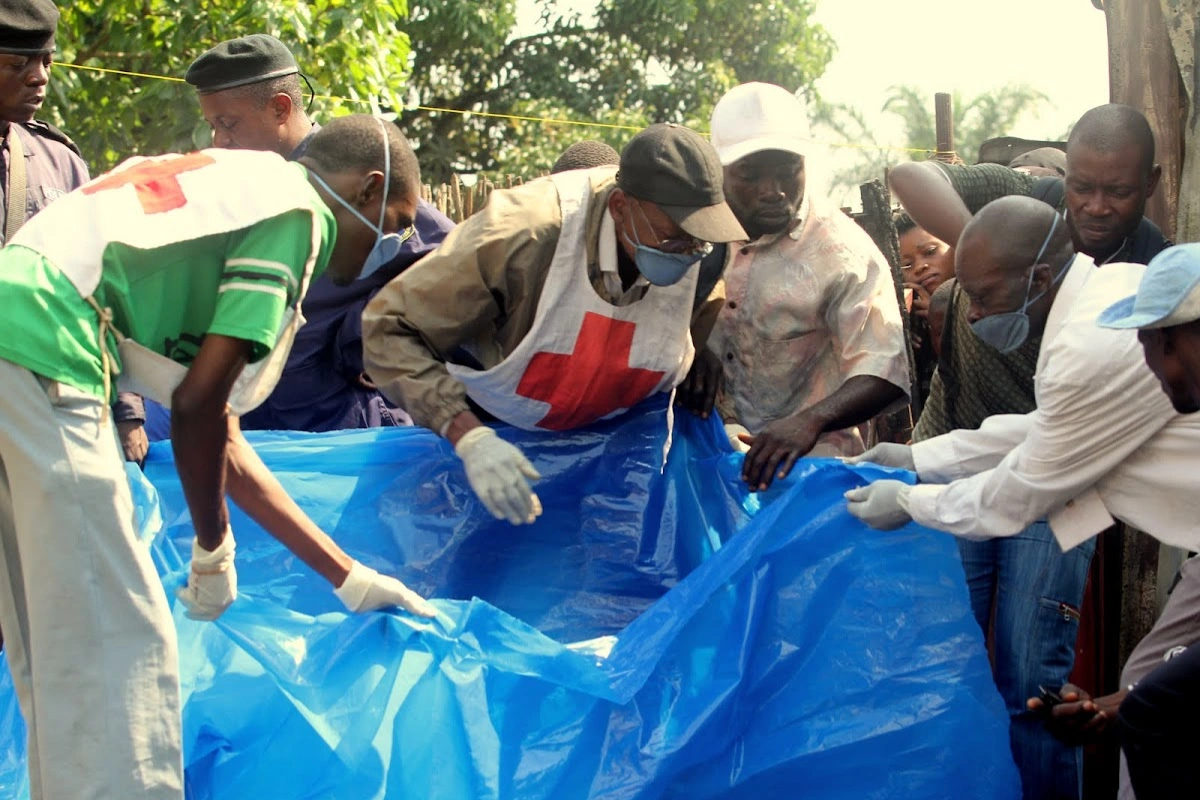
{"points": [[1057, 46]]}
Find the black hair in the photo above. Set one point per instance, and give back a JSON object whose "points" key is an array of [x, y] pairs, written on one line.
{"points": [[353, 144], [585, 155], [1015, 228], [261, 92], [1112, 127], [903, 222]]}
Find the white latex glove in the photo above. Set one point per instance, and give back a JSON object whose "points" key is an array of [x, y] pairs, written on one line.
{"points": [[500, 474], [887, 455], [732, 429], [212, 583], [883, 505], [366, 590]]}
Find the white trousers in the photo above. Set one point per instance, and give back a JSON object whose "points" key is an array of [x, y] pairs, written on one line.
{"points": [[87, 628]]}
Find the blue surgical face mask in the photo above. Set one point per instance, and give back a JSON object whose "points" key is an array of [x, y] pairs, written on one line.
{"points": [[661, 269], [1008, 331], [387, 245]]}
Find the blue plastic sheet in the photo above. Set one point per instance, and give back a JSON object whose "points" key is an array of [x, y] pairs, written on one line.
{"points": [[766, 645]]}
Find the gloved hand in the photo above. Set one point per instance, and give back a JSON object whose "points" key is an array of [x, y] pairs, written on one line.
{"points": [[366, 590], [499, 473], [212, 583], [733, 430], [883, 505], [887, 455]]}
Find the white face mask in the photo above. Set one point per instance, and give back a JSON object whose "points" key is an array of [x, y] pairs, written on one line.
{"points": [[387, 245]]}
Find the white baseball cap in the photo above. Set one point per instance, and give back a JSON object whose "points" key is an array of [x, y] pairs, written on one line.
{"points": [[759, 116]]}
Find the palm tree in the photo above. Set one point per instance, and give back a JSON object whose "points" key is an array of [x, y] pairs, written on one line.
{"points": [[976, 119]]}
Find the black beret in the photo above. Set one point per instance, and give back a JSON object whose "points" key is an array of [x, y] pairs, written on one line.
{"points": [[27, 26], [238, 62]]}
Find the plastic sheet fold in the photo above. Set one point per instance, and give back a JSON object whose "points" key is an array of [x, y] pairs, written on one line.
{"points": [[758, 645]]}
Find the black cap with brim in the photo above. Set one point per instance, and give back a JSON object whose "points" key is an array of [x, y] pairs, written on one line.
{"points": [[679, 172], [240, 62], [27, 27], [715, 224]]}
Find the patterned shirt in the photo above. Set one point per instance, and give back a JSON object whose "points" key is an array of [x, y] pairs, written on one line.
{"points": [[974, 381], [805, 311]]}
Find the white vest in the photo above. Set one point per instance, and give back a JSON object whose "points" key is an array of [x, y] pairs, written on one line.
{"points": [[143, 203], [585, 359]]}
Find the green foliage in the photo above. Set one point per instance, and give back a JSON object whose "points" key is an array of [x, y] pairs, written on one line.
{"points": [[976, 120], [348, 48], [631, 63]]}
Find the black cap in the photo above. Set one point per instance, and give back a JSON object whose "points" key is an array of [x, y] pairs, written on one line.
{"points": [[679, 172], [239, 62], [27, 27]]}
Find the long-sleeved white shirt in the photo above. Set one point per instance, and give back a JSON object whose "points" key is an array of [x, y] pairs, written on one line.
{"points": [[1104, 441]]}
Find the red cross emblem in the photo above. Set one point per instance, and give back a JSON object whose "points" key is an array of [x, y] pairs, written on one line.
{"points": [[593, 380], [155, 181]]}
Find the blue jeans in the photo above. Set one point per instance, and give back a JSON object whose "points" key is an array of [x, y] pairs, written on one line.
{"points": [[1035, 590]]}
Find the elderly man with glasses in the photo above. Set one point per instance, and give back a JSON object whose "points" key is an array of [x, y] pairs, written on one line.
{"points": [[575, 296]]}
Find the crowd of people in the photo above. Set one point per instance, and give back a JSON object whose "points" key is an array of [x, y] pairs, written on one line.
{"points": [[291, 278]]}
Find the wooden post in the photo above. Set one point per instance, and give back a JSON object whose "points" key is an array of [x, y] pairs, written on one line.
{"points": [[456, 194], [943, 111], [1143, 73], [877, 222], [1181, 18]]}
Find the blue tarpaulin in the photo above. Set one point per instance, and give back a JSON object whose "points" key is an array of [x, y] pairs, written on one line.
{"points": [[758, 645]]}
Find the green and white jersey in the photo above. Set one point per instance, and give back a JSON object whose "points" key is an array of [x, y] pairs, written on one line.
{"points": [[177, 247]]}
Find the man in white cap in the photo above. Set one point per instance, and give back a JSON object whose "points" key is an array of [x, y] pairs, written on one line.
{"points": [[810, 340]]}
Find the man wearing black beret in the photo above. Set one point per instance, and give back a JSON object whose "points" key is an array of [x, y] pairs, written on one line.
{"points": [[249, 91], [250, 96]]}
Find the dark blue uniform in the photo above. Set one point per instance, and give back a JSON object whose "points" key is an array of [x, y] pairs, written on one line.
{"points": [[323, 387], [52, 167]]}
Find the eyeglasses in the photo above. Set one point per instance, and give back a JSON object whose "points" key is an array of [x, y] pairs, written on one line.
{"points": [[674, 244]]}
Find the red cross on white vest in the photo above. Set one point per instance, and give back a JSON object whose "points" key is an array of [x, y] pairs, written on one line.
{"points": [[592, 381]]}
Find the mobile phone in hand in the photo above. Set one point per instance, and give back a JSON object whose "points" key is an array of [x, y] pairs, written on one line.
{"points": [[1049, 698]]}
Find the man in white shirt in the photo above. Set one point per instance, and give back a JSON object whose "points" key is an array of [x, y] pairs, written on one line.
{"points": [[1157, 719], [1104, 442], [809, 341]]}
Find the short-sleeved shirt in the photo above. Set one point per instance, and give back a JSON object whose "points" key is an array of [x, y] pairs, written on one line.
{"points": [[236, 283], [805, 311]]}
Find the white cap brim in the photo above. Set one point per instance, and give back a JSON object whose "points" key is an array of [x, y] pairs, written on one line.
{"points": [[789, 144]]}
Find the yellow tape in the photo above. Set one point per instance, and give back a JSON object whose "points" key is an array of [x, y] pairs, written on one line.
{"points": [[120, 72], [514, 117]]}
